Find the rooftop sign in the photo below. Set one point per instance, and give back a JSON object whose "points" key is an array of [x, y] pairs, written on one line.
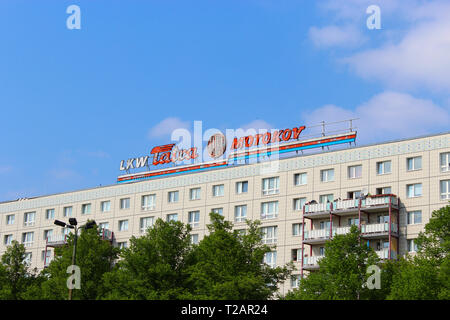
{"points": [[257, 145]]}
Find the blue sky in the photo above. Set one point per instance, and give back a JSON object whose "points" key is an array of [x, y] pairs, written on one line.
{"points": [[76, 102]]}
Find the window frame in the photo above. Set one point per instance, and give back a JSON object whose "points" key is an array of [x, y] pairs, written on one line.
{"points": [[349, 171]]}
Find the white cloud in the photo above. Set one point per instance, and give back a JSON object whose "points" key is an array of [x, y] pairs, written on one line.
{"points": [[388, 115], [167, 126], [420, 59], [332, 36], [414, 48]]}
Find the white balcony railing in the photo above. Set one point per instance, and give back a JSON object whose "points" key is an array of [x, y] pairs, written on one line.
{"points": [[351, 204], [378, 227], [365, 228], [317, 234], [341, 230], [317, 207], [346, 204], [57, 238], [311, 261], [27, 243], [383, 254]]}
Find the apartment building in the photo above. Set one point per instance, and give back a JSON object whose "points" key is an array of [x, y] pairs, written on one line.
{"points": [[389, 190]]}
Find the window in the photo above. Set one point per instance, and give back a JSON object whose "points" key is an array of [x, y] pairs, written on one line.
{"points": [[194, 194], [7, 239], [353, 222], [103, 226], [172, 217], [299, 203], [145, 223], [194, 219], [50, 214], [45, 256], [295, 281], [326, 198], [354, 194], [385, 190], [218, 210], [86, 208], [122, 245], [241, 187], [28, 258], [194, 238], [27, 238], [383, 219], [300, 179], [48, 234], [382, 245], [148, 202], [445, 161], [327, 175], [269, 234], [415, 217], [28, 219], [384, 167], [173, 196], [296, 229], [240, 213], [414, 163], [412, 246], [218, 190], [355, 172], [324, 225], [271, 185], [269, 210], [125, 203], [10, 219], [414, 190], [321, 251], [123, 225], [296, 254], [105, 206], [270, 258], [67, 211], [445, 189]]}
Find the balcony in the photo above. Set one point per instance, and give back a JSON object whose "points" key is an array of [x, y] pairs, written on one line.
{"points": [[61, 239], [27, 244], [376, 230], [56, 240], [384, 254], [311, 263], [373, 203]]}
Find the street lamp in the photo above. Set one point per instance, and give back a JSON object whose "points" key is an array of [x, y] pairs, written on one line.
{"points": [[73, 225]]}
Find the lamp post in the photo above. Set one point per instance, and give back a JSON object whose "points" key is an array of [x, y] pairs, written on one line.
{"points": [[73, 225]]}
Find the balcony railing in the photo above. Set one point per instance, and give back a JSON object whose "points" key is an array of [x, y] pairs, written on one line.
{"points": [[311, 261], [368, 202], [56, 239], [27, 243], [317, 234], [378, 227]]}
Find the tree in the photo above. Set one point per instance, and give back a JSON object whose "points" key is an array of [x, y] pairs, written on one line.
{"points": [[228, 264], [154, 266], [94, 257], [426, 275], [343, 271], [15, 274]]}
